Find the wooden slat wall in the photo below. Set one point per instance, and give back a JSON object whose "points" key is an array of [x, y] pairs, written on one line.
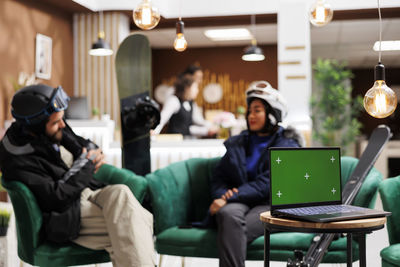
{"points": [[94, 77], [233, 91]]}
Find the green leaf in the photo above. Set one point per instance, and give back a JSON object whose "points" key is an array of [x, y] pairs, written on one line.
{"points": [[334, 112]]}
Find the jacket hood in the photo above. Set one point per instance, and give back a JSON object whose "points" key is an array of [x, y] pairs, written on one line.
{"points": [[289, 132], [19, 141]]}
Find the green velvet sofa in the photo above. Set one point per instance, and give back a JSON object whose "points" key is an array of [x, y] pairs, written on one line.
{"points": [[179, 194], [31, 246], [389, 190]]}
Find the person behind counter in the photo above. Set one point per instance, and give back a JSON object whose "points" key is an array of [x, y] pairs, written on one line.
{"points": [[182, 113], [196, 72], [239, 186]]}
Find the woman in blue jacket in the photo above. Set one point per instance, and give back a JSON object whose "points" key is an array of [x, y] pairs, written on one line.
{"points": [[240, 183]]}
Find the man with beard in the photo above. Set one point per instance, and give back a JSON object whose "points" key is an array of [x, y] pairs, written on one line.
{"points": [[75, 206]]}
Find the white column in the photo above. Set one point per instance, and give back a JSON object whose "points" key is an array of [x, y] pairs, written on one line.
{"points": [[294, 61]]}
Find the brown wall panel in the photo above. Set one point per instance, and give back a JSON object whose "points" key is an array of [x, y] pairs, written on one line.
{"points": [[220, 64], [168, 63], [19, 23]]}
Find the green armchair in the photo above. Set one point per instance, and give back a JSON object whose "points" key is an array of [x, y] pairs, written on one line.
{"points": [[180, 194], [389, 190], [33, 249]]}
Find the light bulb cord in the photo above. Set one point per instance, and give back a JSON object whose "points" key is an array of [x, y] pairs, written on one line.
{"points": [[101, 21], [180, 10], [253, 25], [380, 32]]}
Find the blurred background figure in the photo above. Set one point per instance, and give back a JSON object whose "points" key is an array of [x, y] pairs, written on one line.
{"points": [[195, 71], [181, 112]]}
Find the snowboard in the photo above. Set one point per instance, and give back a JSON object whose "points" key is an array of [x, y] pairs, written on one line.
{"points": [[133, 71]]}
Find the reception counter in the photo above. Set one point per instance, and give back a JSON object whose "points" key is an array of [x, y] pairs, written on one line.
{"points": [[164, 153]]}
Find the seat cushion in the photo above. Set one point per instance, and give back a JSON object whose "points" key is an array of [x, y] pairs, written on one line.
{"points": [[391, 255], [191, 242], [50, 254]]}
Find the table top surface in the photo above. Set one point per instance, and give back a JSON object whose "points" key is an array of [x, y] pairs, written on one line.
{"points": [[340, 225]]}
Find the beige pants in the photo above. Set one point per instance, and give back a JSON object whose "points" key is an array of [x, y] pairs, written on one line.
{"points": [[112, 219]]}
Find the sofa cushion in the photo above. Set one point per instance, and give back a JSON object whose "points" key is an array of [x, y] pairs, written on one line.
{"points": [[170, 196], [192, 242], [112, 175], [200, 172], [391, 255]]}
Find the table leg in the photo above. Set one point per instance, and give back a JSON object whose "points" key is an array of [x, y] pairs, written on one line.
{"points": [[349, 250], [362, 250], [266, 247]]}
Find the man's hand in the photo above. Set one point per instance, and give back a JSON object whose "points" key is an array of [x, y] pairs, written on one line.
{"points": [[97, 157], [229, 193], [216, 205]]}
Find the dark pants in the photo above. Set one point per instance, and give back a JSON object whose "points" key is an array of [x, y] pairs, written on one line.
{"points": [[238, 225]]}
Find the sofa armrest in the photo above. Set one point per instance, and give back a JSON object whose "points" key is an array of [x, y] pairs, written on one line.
{"points": [[113, 175], [28, 218]]}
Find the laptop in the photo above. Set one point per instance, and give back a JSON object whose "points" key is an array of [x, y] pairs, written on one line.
{"points": [[306, 185]]}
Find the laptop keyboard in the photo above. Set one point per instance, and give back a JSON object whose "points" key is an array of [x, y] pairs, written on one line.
{"points": [[315, 210]]}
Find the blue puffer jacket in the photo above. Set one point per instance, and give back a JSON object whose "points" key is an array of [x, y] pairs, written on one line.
{"points": [[232, 172]]}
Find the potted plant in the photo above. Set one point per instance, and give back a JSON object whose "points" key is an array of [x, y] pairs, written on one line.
{"points": [[4, 221], [225, 120], [334, 112], [95, 113]]}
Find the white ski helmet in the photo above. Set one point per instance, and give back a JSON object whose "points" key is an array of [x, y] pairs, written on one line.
{"points": [[263, 90]]}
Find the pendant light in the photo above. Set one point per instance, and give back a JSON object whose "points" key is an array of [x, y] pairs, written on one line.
{"points": [[321, 13], [253, 52], [101, 47], [180, 43], [146, 16], [380, 101]]}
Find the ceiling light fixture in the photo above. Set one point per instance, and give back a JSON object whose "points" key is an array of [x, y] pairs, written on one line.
{"points": [[101, 47], [146, 16], [380, 101], [180, 43], [253, 52], [228, 34], [321, 13], [387, 45]]}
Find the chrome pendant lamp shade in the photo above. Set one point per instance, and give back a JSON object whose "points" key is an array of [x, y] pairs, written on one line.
{"points": [[253, 53], [101, 47]]}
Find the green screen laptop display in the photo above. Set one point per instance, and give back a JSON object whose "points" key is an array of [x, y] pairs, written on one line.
{"points": [[305, 175]]}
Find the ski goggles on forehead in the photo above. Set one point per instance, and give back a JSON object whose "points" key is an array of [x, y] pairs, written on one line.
{"points": [[58, 101], [257, 92]]}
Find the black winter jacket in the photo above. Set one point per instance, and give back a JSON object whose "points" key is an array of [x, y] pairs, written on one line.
{"points": [[34, 161]]}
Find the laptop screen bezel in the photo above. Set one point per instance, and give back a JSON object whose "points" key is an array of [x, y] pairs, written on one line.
{"points": [[308, 204]]}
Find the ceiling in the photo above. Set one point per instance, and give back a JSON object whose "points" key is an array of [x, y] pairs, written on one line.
{"points": [[348, 40], [350, 36]]}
